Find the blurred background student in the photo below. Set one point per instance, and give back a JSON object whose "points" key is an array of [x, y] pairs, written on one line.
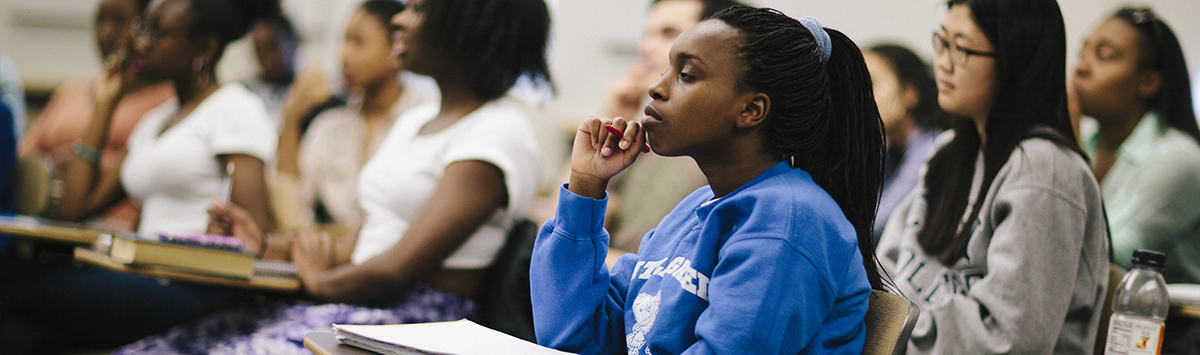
{"points": [[318, 167], [1145, 147], [1026, 270], [66, 116], [1144, 142], [907, 100], [275, 46], [440, 194], [174, 166]]}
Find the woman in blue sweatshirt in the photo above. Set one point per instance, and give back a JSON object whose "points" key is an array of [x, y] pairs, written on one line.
{"points": [[775, 256]]}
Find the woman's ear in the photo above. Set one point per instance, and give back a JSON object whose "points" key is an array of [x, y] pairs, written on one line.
{"points": [[758, 105], [911, 96], [1149, 83]]}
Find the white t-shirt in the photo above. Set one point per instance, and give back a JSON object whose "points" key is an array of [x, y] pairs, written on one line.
{"points": [[175, 175], [402, 175], [333, 151]]}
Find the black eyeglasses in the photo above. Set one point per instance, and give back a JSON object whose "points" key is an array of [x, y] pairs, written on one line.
{"points": [[958, 55]]}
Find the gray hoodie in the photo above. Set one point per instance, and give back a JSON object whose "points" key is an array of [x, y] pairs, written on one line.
{"points": [[1034, 276]]}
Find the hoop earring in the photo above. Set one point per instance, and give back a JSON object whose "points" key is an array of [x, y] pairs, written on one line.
{"points": [[197, 67]]}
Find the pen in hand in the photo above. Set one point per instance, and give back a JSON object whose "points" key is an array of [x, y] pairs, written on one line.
{"points": [[619, 134]]}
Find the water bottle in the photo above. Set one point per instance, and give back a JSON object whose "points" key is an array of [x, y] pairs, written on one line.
{"points": [[1140, 307]]}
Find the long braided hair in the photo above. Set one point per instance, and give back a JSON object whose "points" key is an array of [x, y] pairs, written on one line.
{"points": [[823, 117]]}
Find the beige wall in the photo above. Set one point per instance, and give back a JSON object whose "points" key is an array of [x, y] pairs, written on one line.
{"points": [[593, 41]]}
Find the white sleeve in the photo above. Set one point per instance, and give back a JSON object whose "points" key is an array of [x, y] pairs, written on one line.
{"points": [[505, 140], [243, 126]]}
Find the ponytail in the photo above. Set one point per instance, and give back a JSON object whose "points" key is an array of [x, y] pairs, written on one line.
{"points": [[823, 117], [854, 175]]}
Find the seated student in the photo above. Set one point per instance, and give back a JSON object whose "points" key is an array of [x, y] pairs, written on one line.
{"points": [[69, 110], [1002, 243], [907, 98], [1132, 79], [174, 166], [275, 45], [440, 194], [340, 140], [775, 255]]}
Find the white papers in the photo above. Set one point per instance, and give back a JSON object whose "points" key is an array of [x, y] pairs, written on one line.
{"points": [[461, 337], [1188, 294]]}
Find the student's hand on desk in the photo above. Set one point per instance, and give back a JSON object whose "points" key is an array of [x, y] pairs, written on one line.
{"points": [[235, 221], [313, 254]]}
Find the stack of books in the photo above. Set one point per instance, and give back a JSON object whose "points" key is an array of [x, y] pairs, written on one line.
{"points": [[211, 255]]}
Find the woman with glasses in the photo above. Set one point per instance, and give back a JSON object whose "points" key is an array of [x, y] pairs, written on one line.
{"points": [[67, 114], [174, 166], [1002, 244]]}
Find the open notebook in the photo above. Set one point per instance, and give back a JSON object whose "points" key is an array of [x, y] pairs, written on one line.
{"points": [[461, 337]]}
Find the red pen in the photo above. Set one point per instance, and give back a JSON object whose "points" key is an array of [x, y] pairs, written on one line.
{"points": [[619, 134]]}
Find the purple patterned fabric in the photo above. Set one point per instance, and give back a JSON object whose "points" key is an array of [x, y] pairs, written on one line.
{"points": [[279, 326]]}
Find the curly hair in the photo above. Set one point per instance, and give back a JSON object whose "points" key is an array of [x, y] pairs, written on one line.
{"points": [[495, 41]]}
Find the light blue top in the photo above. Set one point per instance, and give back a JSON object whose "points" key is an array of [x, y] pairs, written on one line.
{"points": [[1152, 193], [770, 268]]}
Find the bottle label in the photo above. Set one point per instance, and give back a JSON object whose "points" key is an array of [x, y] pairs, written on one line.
{"points": [[1133, 336]]}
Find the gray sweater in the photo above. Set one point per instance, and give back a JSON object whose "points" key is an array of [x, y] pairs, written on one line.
{"points": [[1034, 276]]}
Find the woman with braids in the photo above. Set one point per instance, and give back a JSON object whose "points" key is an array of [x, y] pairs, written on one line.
{"points": [[174, 166], [775, 255], [1002, 244], [440, 194]]}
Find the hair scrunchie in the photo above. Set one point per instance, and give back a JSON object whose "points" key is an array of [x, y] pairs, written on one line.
{"points": [[819, 35]]}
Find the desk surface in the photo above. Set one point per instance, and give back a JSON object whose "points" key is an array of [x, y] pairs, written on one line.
{"points": [[1185, 310], [325, 343], [48, 230], [265, 283]]}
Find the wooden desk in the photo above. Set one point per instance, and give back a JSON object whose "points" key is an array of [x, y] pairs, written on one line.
{"points": [[325, 343], [1185, 310], [48, 230], [265, 283]]}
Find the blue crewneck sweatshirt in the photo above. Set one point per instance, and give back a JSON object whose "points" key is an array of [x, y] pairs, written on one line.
{"points": [[771, 268]]}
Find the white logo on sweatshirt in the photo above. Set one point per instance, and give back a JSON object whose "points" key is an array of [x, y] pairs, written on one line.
{"points": [[680, 269], [645, 311]]}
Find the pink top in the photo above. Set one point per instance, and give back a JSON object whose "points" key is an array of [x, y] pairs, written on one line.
{"points": [[67, 115], [69, 111]]}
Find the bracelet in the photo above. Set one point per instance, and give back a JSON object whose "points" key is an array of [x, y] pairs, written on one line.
{"points": [[86, 153]]}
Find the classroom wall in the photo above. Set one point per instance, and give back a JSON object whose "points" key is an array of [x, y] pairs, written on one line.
{"points": [[593, 41]]}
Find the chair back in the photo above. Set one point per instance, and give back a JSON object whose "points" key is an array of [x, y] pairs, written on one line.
{"points": [[31, 182], [1115, 273], [890, 320], [506, 305]]}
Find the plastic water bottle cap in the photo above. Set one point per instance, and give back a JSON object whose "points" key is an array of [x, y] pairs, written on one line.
{"points": [[1149, 258]]}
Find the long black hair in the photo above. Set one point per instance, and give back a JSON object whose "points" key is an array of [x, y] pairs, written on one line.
{"points": [[911, 70], [495, 41], [823, 116], [1030, 94], [1160, 50]]}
